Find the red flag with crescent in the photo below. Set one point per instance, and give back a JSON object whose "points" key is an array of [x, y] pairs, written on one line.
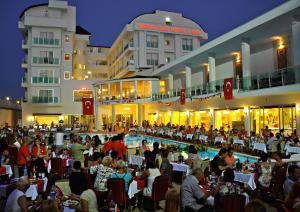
{"points": [[87, 106], [182, 96], [228, 88]]}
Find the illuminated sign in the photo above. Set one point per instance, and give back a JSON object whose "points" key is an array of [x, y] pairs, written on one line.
{"points": [[195, 32]]}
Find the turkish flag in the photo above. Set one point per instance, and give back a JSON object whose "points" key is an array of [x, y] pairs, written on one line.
{"points": [[182, 96], [87, 106], [228, 88]]}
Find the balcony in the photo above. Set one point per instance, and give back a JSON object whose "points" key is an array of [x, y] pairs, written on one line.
{"points": [[25, 44], [24, 82], [45, 60], [24, 63], [46, 41], [277, 78], [44, 100], [45, 80]]}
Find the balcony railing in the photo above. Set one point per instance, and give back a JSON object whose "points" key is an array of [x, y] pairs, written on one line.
{"points": [[45, 100], [283, 77], [45, 60], [46, 41], [46, 80]]}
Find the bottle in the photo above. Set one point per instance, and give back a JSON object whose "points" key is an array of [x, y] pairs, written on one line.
{"points": [[112, 206], [52, 193], [25, 171]]}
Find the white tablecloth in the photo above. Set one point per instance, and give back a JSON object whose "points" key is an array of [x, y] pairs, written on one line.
{"points": [[170, 134], [292, 149], [8, 170], [32, 191], [203, 137], [189, 136], [132, 129], [238, 141], [179, 134], [260, 146], [181, 167], [136, 160], [132, 190], [245, 178]]}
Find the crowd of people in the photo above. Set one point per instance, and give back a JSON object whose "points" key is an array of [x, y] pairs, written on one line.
{"points": [[201, 190]]}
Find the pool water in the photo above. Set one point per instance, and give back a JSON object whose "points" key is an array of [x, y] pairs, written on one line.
{"points": [[133, 141]]}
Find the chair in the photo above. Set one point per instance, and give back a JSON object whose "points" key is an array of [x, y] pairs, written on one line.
{"points": [[117, 192], [57, 166], [159, 189], [231, 203]]}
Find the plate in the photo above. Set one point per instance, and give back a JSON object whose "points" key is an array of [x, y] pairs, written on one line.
{"points": [[70, 202]]}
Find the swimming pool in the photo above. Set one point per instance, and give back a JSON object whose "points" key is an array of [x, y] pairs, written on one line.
{"points": [[133, 141]]}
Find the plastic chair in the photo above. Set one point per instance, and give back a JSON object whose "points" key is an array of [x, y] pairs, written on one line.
{"points": [[117, 192], [231, 203], [57, 166]]}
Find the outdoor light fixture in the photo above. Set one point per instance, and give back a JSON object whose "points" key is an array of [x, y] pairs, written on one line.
{"points": [[7, 98], [168, 20]]}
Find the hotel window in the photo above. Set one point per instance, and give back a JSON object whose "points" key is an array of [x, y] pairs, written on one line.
{"points": [[91, 50], [46, 57], [187, 44], [46, 73], [168, 59], [78, 94], [67, 38], [162, 86], [99, 50], [167, 42], [45, 93], [281, 58], [152, 59], [152, 41], [67, 56], [67, 75]]}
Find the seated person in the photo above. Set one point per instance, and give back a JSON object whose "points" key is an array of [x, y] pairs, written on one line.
{"points": [[229, 186], [122, 173], [218, 164], [114, 156], [192, 197], [88, 200], [77, 179], [49, 206], [17, 201], [266, 171], [193, 153], [150, 173], [230, 159], [292, 178], [293, 198]]}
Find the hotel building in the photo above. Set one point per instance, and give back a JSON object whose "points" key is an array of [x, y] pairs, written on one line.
{"points": [[61, 66], [262, 56]]}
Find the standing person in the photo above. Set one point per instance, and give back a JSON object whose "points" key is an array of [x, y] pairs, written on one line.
{"points": [[17, 200], [266, 171], [165, 167], [192, 198], [218, 164], [77, 150], [230, 159], [23, 157]]}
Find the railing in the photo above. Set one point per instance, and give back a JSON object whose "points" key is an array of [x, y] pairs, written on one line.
{"points": [[48, 99], [283, 77], [46, 41], [45, 60], [46, 80]]}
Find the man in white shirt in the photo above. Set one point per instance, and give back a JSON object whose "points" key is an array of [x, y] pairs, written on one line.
{"points": [[294, 176]]}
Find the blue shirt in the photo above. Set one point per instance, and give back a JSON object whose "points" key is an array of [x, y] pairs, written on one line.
{"points": [[191, 192], [127, 178]]}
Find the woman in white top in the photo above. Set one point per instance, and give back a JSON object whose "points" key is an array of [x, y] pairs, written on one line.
{"points": [[17, 201], [150, 173]]}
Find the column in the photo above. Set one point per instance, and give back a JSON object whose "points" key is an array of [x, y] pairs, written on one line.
{"points": [[121, 91], [170, 82], [212, 117], [298, 118], [188, 77], [212, 68], [246, 64], [170, 114], [108, 91], [139, 106], [247, 121], [97, 124], [188, 118], [113, 115], [296, 41], [135, 89]]}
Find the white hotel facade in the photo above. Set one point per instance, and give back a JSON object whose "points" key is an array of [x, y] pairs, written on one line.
{"points": [[140, 76]]}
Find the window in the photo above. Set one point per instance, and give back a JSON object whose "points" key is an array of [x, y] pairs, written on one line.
{"points": [[91, 50], [99, 50], [47, 35], [45, 93], [67, 38], [152, 59], [67, 56], [46, 57], [187, 44], [167, 42], [46, 73], [152, 41], [78, 94], [168, 59], [66, 75]]}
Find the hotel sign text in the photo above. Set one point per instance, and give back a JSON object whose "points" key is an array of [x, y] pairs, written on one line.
{"points": [[195, 32]]}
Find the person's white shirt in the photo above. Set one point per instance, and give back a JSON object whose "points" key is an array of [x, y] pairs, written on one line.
{"points": [[12, 204], [90, 196], [17, 144]]}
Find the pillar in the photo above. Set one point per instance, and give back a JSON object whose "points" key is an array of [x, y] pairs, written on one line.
{"points": [[246, 64], [296, 41], [113, 115], [170, 82], [140, 114], [121, 91], [212, 117], [212, 69], [298, 118], [188, 77], [97, 124], [247, 120]]}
